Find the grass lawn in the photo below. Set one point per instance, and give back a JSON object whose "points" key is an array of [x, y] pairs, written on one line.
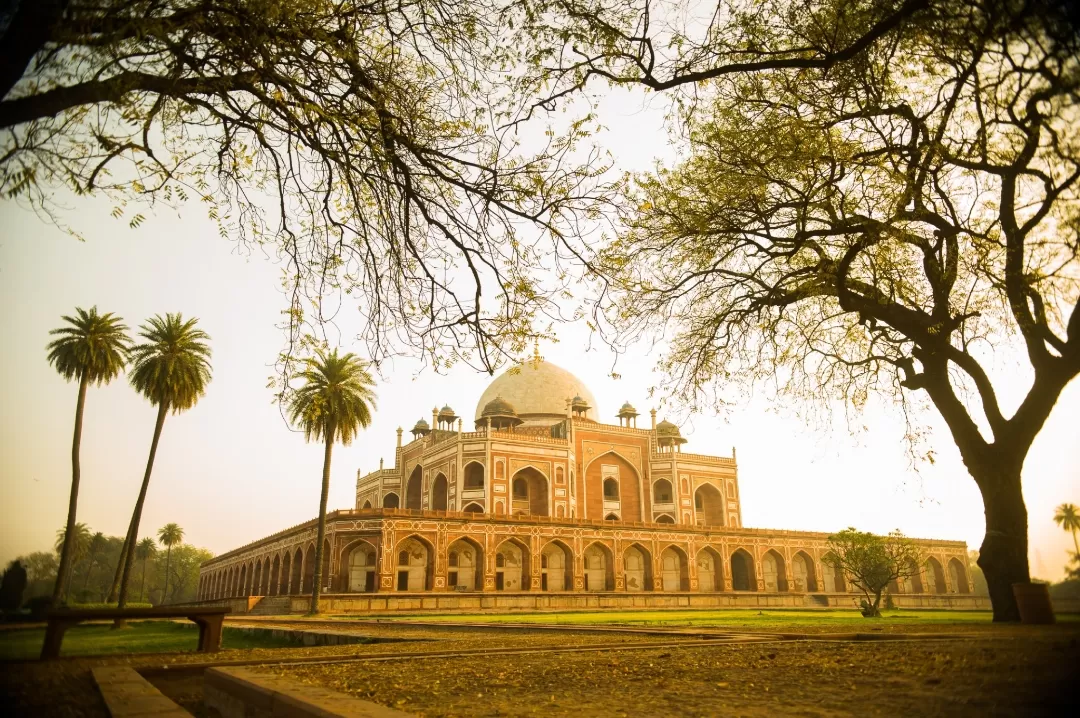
{"points": [[742, 619], [139, 637]]}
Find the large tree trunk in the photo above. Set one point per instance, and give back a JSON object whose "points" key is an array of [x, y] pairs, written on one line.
{"points": [[133, 529], [1003, 556], [63, 572], [30, 28], [316, 588]]}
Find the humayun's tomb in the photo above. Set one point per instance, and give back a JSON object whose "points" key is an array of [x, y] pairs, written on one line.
{"points": [[543, 506]]}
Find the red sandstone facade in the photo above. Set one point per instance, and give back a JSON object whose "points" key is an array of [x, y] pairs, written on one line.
{"points": [[542, 508]]}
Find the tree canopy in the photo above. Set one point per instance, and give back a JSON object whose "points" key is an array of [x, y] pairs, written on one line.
{"points": [[880, 227], [871, 562], [369, 146]]}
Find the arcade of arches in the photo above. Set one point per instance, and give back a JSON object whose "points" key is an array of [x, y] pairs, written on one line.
{"points": [[537, 493]]}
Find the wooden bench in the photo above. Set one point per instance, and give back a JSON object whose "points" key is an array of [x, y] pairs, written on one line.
{"points": [[208, 618]]}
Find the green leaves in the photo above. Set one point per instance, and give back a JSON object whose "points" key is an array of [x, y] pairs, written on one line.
{"points": [[172, 366], [336, 398]]}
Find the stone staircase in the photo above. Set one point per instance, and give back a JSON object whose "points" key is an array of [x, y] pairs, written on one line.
{"points": [[270, 606]]}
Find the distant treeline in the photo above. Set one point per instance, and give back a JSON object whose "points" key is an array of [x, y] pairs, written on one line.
{"points": [[93, 572]]}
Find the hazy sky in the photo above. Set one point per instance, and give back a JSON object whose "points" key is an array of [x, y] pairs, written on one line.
{"points": [[229, 471]]}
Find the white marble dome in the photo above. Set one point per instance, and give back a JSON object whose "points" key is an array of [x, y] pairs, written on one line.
{"points": [[538, 391]]}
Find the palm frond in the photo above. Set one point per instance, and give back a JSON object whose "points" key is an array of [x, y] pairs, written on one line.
{"points": [[336, 399], [93, 345], [172, 367]]}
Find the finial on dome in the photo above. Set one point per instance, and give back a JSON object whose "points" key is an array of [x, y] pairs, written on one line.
{"points": [[536, 354]]}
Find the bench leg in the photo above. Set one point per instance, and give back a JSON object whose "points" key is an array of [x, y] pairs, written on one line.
{"points": [[54, 636], [209, 632]]}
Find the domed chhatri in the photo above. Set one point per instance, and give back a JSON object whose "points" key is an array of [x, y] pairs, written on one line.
{"points": [[627, 415], [668, 435], [498, 414], [538, 390], [422, 428]]}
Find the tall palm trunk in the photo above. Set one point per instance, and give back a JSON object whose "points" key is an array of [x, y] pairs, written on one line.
{"points": [[142, 583], [114, 590], [133, 529], [63, 572], [316, 588], [1076, 544], [168, 557], [89, 572]]}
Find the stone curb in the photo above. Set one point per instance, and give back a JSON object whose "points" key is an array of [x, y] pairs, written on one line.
{"points": [[244, 693], [129, 695]]}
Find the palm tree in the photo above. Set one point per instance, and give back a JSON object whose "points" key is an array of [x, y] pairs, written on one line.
{"points": [[97, 545], [144, 551], [1067, 517], [335, 401], [171, 369], [169, 535], [92, 349], [76, 542]]}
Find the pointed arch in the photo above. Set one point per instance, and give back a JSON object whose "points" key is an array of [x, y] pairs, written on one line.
{"points": [[391, 501], [832, 575], [512, 569], [414, 561], [662, 492], [665, 519], [774, 571], [367, 505], [803, 573], [627, 501], [465, 564], [710, 570], [709, 505], [473, 474], [309, 569], [473, 508], [530, 491], [284, 585], [439, 491], [958, 576], [275, 575], [674, 569], [359, 562], [556, 566], [637, 568], [414, 489], [935, 576], [742, 571], [599, 567], [912, 582]]}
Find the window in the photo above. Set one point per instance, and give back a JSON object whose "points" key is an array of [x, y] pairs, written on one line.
{"points": [[474, 476], [521, 488], [453, 558], [662, 492], [500, 560], [559, 475], [611, 489], [403, 558]]}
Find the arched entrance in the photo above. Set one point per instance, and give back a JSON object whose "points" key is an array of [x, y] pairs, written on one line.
{"points": [[958, 576], [439, 488], [802, 572], [772, 571], [511, 566], [275, 576], [556, 567], [935, 575], [662, 493], [709, 506], [286, 573], [363, 567], [413, 565], [674, 572], [742, 571], [529, 493], [309, 569], [465, 565], [831, 575], [599, 574], [637, 568], [710, 576], [391, 501], [474, 477], [912, 582], [414, 490]]}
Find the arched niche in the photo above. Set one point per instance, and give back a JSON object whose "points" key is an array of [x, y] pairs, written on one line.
{"points": [[391, 501], [599, 568], [465, 565], [709, 505], [709, 570], [512, 566], [802, 572], [439, 492], [637, 568], [361, 561], [414, 489], [473, 476], [662, 492], [413, 564], [674, 569], [742, 571], [773, 572], [556, 567]]}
